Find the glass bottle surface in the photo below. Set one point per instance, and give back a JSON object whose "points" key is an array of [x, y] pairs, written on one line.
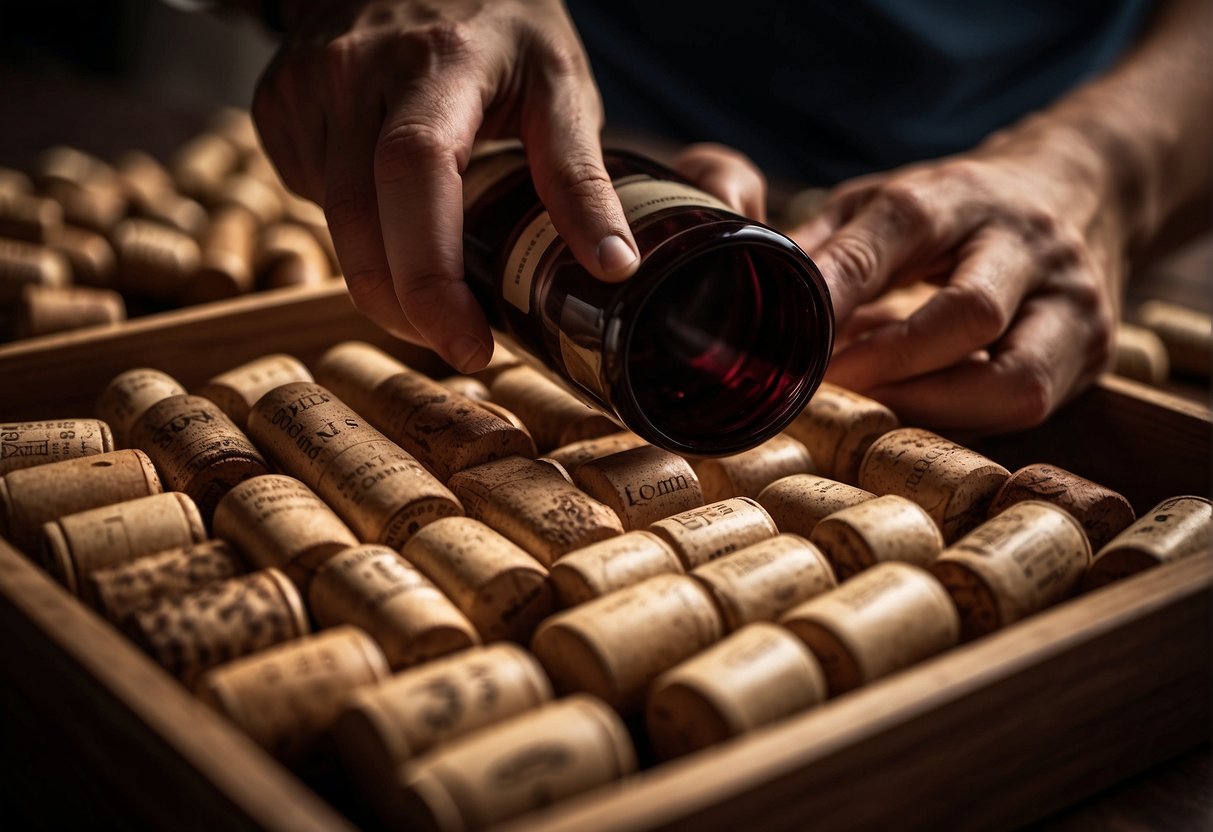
{"points": [[713, 346]]}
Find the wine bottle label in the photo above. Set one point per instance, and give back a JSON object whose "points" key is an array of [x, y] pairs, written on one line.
{"points": [[640, 196]]}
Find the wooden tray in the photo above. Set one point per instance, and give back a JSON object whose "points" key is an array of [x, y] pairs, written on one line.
{"points": [[992, 734]]}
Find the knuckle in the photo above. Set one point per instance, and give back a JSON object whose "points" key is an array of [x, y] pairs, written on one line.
{"points": [[1034, 393], [407, 148], [907, 205], [982, 316], [367, 290], [581, 177], [428, 293], [441, 40], [855, 261]]}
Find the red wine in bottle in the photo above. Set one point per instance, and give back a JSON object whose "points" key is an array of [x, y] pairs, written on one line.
{"points": [[713, 346]]}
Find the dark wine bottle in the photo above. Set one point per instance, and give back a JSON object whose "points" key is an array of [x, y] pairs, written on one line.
{"points": [[713, 346]]}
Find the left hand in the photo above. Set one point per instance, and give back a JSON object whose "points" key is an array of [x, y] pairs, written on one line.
{"points": [[1026, 241]]}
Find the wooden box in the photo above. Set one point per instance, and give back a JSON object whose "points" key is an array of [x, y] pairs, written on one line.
{"points": [[992, 734]]}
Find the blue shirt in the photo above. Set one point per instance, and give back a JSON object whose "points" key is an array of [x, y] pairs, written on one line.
{"points": [[823, 91]]}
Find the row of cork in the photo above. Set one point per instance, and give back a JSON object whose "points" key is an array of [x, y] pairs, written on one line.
{"points": [[410, 570], [83, 240]]}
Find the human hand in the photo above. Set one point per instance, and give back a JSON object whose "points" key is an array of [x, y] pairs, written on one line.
{"points": [[1027, 244]]}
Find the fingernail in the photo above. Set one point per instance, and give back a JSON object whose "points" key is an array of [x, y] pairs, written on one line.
{"points": [[615, 256], [464, 352]]}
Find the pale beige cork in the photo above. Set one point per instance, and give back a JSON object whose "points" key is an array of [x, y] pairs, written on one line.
{"points": [[190, 634], [601, 568], [502, 590], [554, 416], [380, 490], [882, 620], [238, 389], [373, 587], [746, 474], [554, 752], [45, 310], [287, 696], [954, 484], [641, 485], [875, 531], [1102, 512], [799, 502], [574, 454], [615, 646], [31, 497], [1140, 355], [120, 590], [703, 534], [77, 545], [29, 444], [129, 395], [445, 431], [1027, 558], [755, 677], [277, 521], [533, 505], [838, 426], [386, 725], [763, 581], [1176, 528], [1187, 334], [197, 449]]}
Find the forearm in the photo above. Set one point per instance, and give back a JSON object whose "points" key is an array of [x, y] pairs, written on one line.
{"points": [[1147, 124]]}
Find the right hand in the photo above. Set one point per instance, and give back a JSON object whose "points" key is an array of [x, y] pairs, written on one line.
{"points": [[371, 109]]}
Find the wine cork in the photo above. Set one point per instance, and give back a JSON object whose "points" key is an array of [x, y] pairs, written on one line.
{"points": [[197, 449], [503, 359], [46, 310], [615, 646], [25, 264], [703, 534], [190, 634], [763, 581], [505, 415], [954, 484], [747, 473], [225, 269], [143, 179], [502, 590], [1174, 529], [120, 590], [1102, 512], [287, 697], [466, 386], [90, 255], [838, 426], [250, 194], [530, 503], [601, 568], [383, 493], [236, 126], [373, 588], [287, 254], [67, 165], [33, 219], [1140, 355], [878, 530], [129, 395], [757, 676], [553, 415], [77, 545], [154, 261], [799, 502], [33, 496], [277, 521], [1027, 558], [97, 204], [178, 212], [641, 485], [554, 752], [575, 454], [884, 619], [14, 182], [201, 165], [237, 390], [446, 432], [28, 444], [1187, 334], [386, 725]]}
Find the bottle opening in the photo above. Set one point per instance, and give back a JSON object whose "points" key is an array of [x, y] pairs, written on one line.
{"points": [[726, 349]]}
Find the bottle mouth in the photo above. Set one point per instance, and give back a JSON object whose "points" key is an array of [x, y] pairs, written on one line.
{"points": [[726, 348]]}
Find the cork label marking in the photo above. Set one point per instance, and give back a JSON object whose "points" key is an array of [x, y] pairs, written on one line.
{"points": [[646, 492]]}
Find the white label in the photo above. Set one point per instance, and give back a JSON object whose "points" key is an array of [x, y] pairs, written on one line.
{"points": [[639, 195]]}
